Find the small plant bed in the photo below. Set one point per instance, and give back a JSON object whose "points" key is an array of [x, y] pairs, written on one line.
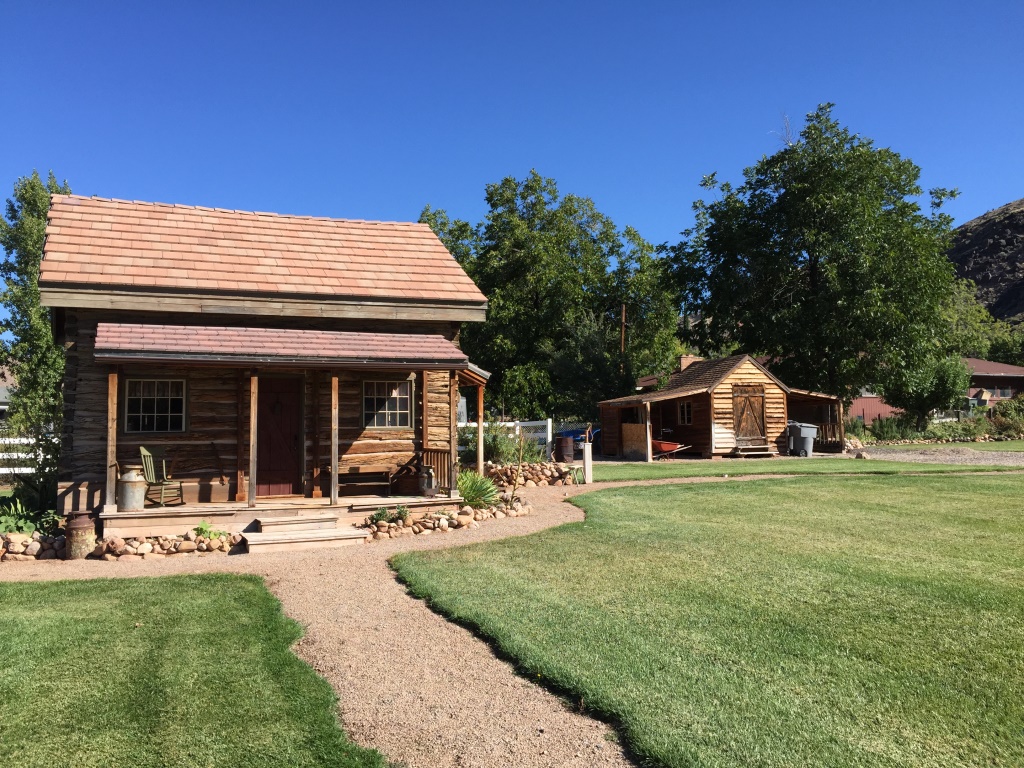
{"points": [[182, 671], [608, 472], [529, 475], [993, 444], [387, 524], [841, 621]]}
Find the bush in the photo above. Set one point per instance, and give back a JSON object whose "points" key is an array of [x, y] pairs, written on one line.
{"points": [[500, 446], [15, 517], [1008, 416], [477, 491], [964, 430], [855, 427], [893, 428]]}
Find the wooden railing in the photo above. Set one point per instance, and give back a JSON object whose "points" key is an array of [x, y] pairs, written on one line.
{"points": [[440, 460], [828, 434]]}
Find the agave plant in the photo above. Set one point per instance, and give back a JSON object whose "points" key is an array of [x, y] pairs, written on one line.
{"points": [[477, 491]]}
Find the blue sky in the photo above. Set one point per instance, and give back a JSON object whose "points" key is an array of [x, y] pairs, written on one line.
{"points": [[371, 110]]}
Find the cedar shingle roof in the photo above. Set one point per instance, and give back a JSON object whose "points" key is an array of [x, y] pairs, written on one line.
{"points": [[137, 341], [698, 376], [96, 242]]}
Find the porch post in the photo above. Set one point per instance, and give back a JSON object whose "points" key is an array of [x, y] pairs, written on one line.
{"points": [[254, 401], [842, 427], [453, 430], [334, 438], [317, 491], [110, 492], [647, 421], [480, 429]]}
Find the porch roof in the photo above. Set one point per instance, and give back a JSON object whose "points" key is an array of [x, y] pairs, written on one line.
{"points": [[124, 342]]}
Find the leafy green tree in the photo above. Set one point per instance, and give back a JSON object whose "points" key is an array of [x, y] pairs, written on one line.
{"points": [[973, 330], [33, 361], [556, 273], [936, 384], [821, 260]]}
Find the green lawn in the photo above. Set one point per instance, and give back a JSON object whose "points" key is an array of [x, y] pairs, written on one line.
{"points": [[1001, 445], [179, 671], [835, 621], [604, 472]]}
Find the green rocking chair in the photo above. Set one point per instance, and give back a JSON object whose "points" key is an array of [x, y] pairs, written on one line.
{"points": [[169, 489]]}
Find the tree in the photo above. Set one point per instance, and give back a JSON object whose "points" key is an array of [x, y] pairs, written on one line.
{"points": [[973, 330], [556, 273], [934, 385], [821, 260], [34, 362]]}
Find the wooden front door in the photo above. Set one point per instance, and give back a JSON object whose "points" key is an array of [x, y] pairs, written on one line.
{"points": [[279, 437], [748, 414]]}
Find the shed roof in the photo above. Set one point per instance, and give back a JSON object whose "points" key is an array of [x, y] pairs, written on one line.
{"points": [[275, 346], [699, 376], [95, 242]]}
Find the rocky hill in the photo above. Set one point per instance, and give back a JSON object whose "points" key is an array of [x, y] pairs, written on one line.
{"points": [[990, 251]]}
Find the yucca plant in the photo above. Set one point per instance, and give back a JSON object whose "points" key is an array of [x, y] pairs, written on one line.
{"points": [[477, 491]]}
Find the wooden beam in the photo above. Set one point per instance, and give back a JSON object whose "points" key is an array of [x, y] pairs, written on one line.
{"points": [[240, 486], [424, 415], [334, 438], [647, 419], [254, 401], [453, 429], [480, 429], [110, 492], [317, 492]]}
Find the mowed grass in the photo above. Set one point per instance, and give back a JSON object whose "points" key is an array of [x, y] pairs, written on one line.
{"points": [[855, 621], [1009, 446], [607, 472], [177, 671]]}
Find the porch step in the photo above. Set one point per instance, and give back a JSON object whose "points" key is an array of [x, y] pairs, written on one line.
{"points": [[297, 523], [752, 452], [281, 541]]}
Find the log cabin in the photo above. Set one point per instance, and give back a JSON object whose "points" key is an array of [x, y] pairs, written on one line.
{"points": [[732, 406], [278, 364]]}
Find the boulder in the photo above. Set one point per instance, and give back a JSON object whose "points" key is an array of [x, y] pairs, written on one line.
{"points": [[190, 536], [16, 547], [18, 538], [463, 520], [110, 557], [466, 510], [144, 548], [48, 554], [862, 455], [187, 546]]}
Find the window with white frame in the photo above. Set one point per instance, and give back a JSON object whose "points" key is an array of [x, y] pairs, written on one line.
{"points": [[154, 405], [387, 403], [686, 412]]}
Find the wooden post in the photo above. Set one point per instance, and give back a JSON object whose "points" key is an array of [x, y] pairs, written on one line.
{"points": [[254, 401], [240, 486], [110, 492], [424, 415], [480, 429], [453, 430], [334, 438], [647, 419], [842, 427], [317, 492]]}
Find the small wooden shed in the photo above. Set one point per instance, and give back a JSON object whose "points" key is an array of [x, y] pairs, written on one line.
{"points": [[728, 406]]}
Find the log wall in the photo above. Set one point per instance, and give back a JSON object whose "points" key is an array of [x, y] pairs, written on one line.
{"points": [[774, 407], [212, 454]]}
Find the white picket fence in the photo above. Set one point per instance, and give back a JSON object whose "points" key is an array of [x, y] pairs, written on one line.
{"points": [[537, 431], [15, 454]]}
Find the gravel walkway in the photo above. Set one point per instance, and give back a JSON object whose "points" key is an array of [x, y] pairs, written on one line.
{"points": [[425, 692], [951, 455]]}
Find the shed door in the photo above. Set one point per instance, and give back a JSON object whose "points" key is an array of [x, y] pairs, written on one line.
{"points": [[748, 414], [278, 437]]}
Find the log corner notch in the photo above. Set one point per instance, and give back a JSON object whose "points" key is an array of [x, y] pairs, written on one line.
{"points": [[110, 490]]}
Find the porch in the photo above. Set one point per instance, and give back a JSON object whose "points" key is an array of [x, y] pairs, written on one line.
{"points": [[265, 423]]}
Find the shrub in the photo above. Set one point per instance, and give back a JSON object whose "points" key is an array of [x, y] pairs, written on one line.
{"points": [[500, 446], [893, 428], [15, 517], [207, 531], [965, 429], [855, 427], [381, 516], [1008, 416], [477, 491]]}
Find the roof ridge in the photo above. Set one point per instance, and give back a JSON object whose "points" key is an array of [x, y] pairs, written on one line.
{"points": [[207, 209]]}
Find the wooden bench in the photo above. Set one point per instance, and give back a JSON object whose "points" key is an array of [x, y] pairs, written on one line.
{"points": [[363, 475]]}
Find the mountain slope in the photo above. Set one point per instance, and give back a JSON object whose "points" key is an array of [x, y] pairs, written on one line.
{"points": [[990, 251]]}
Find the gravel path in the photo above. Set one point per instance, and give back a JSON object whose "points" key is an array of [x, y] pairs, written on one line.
{"points": [[425, 692], [951, 455]]}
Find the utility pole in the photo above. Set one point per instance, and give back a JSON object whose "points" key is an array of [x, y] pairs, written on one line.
{"points": [[622, 341]]}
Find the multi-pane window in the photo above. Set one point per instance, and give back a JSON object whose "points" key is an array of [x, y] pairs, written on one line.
{"points": [[155, 405], [686, 412], [387, 403]]}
